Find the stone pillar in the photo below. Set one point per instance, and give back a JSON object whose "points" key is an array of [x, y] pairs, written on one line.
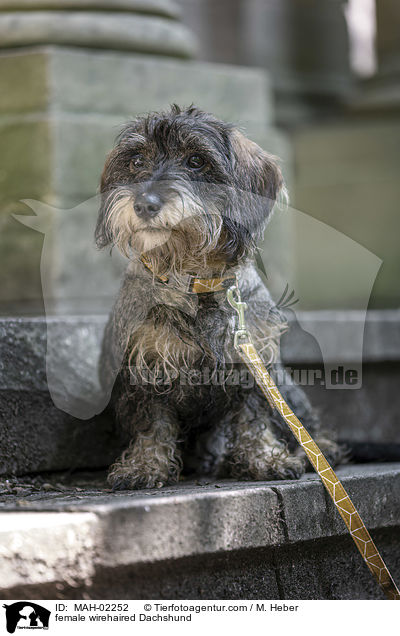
{"points": [[381, 93], [304, 45], [131, 25], [69, 79], [388, 36], [217, 25]]}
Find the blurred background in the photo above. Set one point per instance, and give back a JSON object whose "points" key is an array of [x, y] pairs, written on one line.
{"points": [[314, 81]]}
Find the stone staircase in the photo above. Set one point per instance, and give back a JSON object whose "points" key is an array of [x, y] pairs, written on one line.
{"points": [[64, 534]]}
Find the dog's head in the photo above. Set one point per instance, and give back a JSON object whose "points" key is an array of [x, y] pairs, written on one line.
{"points": [[186, 188]]}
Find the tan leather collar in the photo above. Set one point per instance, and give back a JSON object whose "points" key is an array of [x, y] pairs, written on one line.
{"points": [[195, 285]]}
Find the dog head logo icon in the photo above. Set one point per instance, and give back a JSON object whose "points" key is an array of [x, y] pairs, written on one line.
{"points": [[26, 615]]}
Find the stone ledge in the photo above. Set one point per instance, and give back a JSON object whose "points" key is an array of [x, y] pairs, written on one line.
{"points": [[23, 340], [132, 528], [44, 548], [166, 8], [342, 330], [97, 29]]}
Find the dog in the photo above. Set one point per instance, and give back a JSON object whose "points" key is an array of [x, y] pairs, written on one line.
{"points": [[186, 196]]}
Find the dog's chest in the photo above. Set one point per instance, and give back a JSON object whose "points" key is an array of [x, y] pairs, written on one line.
{"points": [[157, 343], [177, 342]]}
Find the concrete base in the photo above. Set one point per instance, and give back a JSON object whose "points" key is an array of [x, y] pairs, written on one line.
{"points": [[281, 540]]}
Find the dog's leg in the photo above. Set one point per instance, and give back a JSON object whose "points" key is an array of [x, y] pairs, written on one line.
{"points": [[262, 446], [152, 458], [255, 452]]}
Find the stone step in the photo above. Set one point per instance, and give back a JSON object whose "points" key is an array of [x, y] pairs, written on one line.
{"points": [[37, 436], [217, 540]]}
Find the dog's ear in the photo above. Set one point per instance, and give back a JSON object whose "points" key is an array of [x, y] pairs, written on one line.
{"points": [[256, 171], [102, 233]]}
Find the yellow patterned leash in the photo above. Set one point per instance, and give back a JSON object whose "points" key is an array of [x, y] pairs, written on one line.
{"points": [[342, 501]]}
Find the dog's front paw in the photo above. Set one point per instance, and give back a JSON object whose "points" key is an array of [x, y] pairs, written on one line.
{"points": [[268, 464], [285, 466], [121, 477], [138, 469]]}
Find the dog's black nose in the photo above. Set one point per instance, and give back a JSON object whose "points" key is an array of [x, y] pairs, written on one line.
{"points": [[147, 204]]}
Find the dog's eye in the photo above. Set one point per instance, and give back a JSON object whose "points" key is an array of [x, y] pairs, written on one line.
{"points": [[136, 162], [196, 162]]}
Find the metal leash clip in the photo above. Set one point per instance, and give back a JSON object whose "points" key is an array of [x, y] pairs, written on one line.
{"points": [[234, 299]]}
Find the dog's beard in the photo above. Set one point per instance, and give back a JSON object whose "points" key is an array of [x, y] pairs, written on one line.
{"points": [[179, 238]]}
